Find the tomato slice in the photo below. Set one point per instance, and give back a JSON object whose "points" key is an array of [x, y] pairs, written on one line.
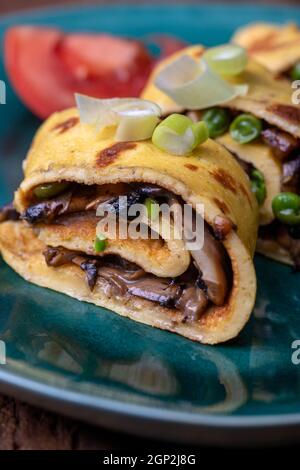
{"points": [[96, 55], [34, 70], [47, 67]]}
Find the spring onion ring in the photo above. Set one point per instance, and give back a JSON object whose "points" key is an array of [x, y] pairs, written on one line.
{"points": [[134, 118], [100, 243], [152, 208], [179, 135], [226, 60], [194, 85]]}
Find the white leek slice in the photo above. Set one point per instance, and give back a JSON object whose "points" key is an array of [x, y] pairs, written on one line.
{"points": [[136, 125], [134, 118], [194, 85]]}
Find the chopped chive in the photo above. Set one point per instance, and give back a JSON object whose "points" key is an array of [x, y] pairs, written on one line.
{"points": [[100, 243], [152, 208]]}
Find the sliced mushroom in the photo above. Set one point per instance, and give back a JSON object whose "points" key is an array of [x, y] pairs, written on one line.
{"points": [[282, 143], [140, 284], [58, 256], [47, 211], [211, 262], [156, 289], [193, 302], [8, 212], [291, 175]]}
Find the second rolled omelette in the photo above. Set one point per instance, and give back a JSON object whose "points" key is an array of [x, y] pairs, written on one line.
{"points": [[275, 153], [276, 47], [206, 295]]}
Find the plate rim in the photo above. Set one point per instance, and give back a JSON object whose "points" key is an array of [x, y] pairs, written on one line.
{"points": [[143, 411]]}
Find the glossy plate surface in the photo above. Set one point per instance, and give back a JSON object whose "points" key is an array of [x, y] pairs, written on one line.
{"points": [[90, 363]]}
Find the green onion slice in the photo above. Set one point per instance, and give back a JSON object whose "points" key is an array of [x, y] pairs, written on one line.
{"points": [[194, 85], [226, 60], [179, 135], [134, 118], [152, 208], [100, 243]]}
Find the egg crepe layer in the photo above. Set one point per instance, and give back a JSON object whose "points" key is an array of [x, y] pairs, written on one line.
{"points": [[205, 295], [276, 154], [275, 47]]}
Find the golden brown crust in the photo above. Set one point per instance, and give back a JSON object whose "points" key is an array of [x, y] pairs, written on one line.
{"points": [[275, 47]]}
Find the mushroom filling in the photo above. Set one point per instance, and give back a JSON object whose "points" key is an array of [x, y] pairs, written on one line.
{"points": [[206, 282], [8, 213], [186, 294], [286, 149], [287, 236]]}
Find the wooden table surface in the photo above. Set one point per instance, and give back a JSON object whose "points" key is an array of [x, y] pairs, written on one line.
{"points": [[26, 427]]}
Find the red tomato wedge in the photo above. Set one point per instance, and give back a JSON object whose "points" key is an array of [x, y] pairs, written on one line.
{"points": [[94, 55], [47, 67]]}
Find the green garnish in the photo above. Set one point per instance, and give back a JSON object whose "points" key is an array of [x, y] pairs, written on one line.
{"points": [[45, 191], [217, 121], [295, 72], [229, 59], [152, 208], [258, 186], [100, 243], [245, 128], [179, 135], [286, 208]]}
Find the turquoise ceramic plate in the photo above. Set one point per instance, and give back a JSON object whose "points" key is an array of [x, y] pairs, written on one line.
{"points": [[90, 363]]}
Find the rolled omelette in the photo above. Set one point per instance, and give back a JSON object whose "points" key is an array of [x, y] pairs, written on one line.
{"points": [[275, 47], [206, 295], [276, 154]]}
